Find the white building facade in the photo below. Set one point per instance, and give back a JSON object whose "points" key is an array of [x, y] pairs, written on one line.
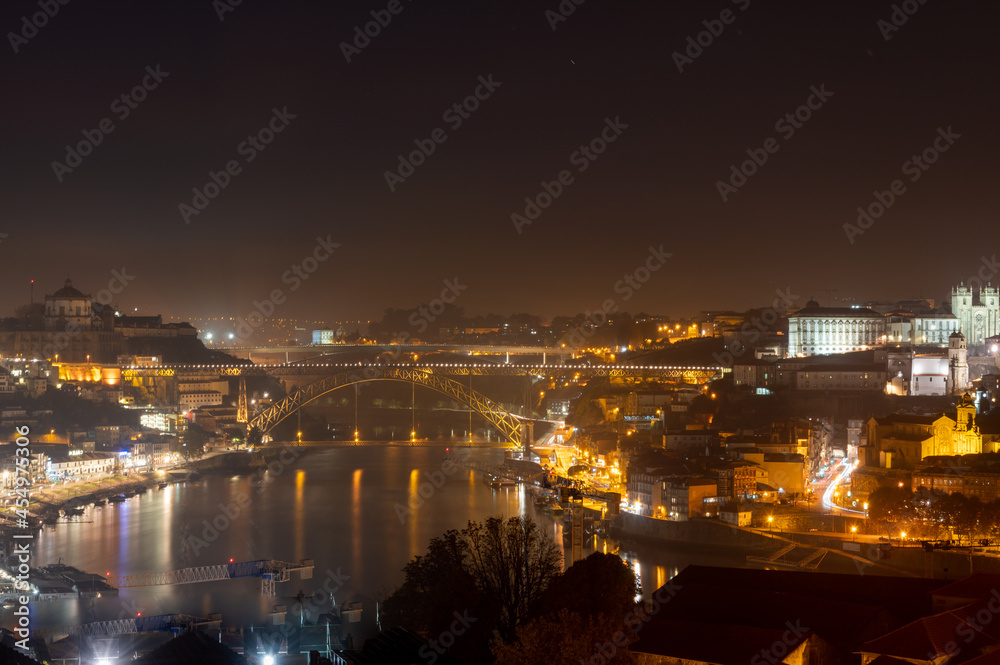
{"points": [[977, 312], [815, 330]]}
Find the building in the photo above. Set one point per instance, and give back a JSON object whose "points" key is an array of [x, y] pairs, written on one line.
{"points": [[68, 309], [815, 330], [928, 375], [151, 326], [109, 437], [324, 336], [841, 377], [639, 490], [37, 465], [736, 515], [907, 329], [976, 311], [737, 480], [981, 483], [79, 464], [195, 399], [903, 441], [683, 498], [958, 365]]}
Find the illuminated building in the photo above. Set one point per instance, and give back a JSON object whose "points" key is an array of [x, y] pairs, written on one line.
{"points": [[920, 329], [68, 309], [902, 441], [824, 330], [977, 312]]}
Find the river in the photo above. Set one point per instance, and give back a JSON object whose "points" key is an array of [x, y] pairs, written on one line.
{"points": [[347, 508]]}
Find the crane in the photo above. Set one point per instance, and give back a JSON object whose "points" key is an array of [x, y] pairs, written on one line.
{"points": [[270, 572]]}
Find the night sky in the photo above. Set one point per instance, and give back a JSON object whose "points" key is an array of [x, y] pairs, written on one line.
{"points": [[323, 175]]}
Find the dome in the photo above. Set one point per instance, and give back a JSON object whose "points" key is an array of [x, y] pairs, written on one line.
{"points": [[67, 291], [812, 303], [956, 335]]}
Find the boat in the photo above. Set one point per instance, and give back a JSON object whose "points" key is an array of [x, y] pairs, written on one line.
{"points": [[74, 512], [100, 502], [162, 486], [118, 498], [50, 519], [141, 490]]}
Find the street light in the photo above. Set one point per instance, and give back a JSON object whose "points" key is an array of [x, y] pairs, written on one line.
{"points": [[300, 437], [854, 533], [770, 522]]}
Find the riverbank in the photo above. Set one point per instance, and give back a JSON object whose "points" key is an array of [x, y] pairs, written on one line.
{"points": [[50, 501]]}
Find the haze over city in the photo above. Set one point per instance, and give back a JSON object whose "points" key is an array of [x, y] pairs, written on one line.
{"points": [[471, 333], [556, 83]]}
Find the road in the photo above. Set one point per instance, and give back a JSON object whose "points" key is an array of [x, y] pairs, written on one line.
{"points": [[840, 474]]}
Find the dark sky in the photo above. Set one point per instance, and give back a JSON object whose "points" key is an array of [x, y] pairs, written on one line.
{"points": [[654, 185]]}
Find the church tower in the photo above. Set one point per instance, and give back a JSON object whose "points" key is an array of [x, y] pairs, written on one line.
{"points": [[958, 366]]}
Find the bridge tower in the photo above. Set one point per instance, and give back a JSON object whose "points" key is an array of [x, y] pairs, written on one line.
{"points": [[241, 409]]}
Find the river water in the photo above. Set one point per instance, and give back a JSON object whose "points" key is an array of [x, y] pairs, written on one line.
{"points": [[348, 509]]}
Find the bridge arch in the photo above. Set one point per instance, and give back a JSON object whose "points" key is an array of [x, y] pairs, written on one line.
{"points": [[507, 423]]}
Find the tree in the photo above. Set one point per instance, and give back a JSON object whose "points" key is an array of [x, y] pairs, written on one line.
{"points": [[512, 562], [567, 638], [436, 585], [254, 437], [600, 584], [193, 440], [496, 571]]}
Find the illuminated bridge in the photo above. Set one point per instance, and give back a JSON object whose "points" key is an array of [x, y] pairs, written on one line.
{"points": [[686, 374], [436, 376]]}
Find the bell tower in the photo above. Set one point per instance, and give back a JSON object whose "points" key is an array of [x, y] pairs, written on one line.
{"points": [[958, 366]]}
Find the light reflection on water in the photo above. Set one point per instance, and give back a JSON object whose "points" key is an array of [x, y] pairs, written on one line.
{"points": [[338, 507]]}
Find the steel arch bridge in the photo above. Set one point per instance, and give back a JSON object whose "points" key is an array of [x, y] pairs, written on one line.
{"points": [[507, 423]]}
